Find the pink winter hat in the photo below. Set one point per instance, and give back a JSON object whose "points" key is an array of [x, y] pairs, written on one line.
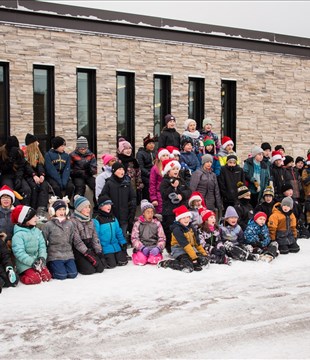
{"points": [[123, 144], [106, 158]]}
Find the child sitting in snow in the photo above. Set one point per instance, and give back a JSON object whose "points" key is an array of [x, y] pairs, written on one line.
{"points": [[189, 255], [7, 273], [147, 237], [244, 207], [29, 247], [210, 238], [257, 235]]}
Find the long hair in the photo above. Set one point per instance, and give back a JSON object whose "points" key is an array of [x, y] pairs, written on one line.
{"points": [[34, 155]]}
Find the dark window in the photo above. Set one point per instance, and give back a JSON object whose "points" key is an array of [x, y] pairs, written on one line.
{"points": [[196, 100], [4, 103], [126, 106], [162, 101], [43, 105], [228, 102], [86, 107]]}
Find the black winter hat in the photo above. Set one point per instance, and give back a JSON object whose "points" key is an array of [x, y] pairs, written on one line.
{"points": [[288, 159], [185, 140], [279, 147], [168, 118], [29, 139], [265, 146], [299, 158], [285, 187], [11, 142], [58, 141], [117, 165], [103, 200]]}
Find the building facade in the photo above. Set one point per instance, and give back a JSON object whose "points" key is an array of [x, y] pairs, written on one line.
{"points": [[71, 71]]}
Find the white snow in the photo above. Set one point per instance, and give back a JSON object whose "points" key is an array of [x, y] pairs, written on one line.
{"points": [[250, 310]]}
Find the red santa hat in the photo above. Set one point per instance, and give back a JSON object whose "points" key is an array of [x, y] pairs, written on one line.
{"points": [[173, 151], [5, 190], [276, 155], [226, 140], [205, 214], [161, 152], [196, 195], [260, 214], [168, 165], [181, 212], [21, 214]]}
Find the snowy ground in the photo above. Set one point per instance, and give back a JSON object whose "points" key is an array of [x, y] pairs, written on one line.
{"points": [[245, 311]]}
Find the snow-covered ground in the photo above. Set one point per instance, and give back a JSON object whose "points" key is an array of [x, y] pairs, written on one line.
{"points": [[251, 310]]}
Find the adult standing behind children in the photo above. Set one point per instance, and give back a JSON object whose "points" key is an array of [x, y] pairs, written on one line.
{"points": [[169, 136]]}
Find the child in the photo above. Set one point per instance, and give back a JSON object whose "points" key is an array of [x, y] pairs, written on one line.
{"points": [[195, 203], [156, 178], [207, 124], [226, 149], [110, 234], [57, 166], [108, 160], [300, 164], [83, 167], [209, 145], [244, 207], [191, 132], [174, 193], [187, 154], [210, 238], [8, 276], [59, 234], [148, 238], [267, 203], [278, 174], [282, 226], [267, 152], [7, 198], [169, 136], [294, 177], [29, 247], [305, 177], [257, 235], [188, 254], [185, 172], [87, 249]]}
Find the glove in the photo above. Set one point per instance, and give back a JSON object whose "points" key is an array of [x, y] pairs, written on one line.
{"points": [[11, 274], [228, 245], [174, 198], [202, 260], [197, 266], [257, 186], [37, 265], [155, 251], [146, 251], [249, 248], [90, 256]]}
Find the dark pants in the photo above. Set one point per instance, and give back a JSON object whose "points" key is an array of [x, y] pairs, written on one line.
{"points": [[80, 185], [39, 194], [167, 221], [116, 259], [58, 191], [85, 267], [62, 269], [24, 191]]}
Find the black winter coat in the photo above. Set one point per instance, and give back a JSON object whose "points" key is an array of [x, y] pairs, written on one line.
{"points": [[146, 161], [228, 179], [245, 211], [279, 176], [169, 137]]}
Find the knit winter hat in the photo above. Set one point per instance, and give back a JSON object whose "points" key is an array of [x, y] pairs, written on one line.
{"points": [[208, 141], [196, 195], [299, 158], [117, 165], [181, 212], [285, 187], [287, 201], [288, 159], [106, 158], [226, 140], [265, 146], [57, 142], [145, 204], [58, 204], [173, 151], [161, 152], [123, 144], [80, 202], [242, 190], [205, 158], [231, 157], [168, 118], [21, 214], [11, 142], [205, 214], [207, 121], [256, 150], [230, 212], [186, 140], [104, 200], [169, 164], [29, 139], [260, 214], [5, 190], [276, 155], [81, 142], [268, 191], [148, 139], [187, 122], [279, 147]]}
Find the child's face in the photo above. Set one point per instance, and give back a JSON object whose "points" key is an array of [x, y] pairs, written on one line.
{"points": [[211, 220], [282, 152], [171, 124], [106, 208], [288, 193], [120, 172], [111, 162], [177, 157], [192, 127], [300, 164], [290, 164], [286, 208], [174, 172], [208, 127], [268, 199], [150, 146], [86, 210], [127, 151], [196, 204], [6, 201], [247, 195], [260, 221], [232, 220], [207, 165], [278, 162], [164, 157], [185, 221], [32, 221], [231, 162], [259, 157], [229, 148], [148, 214], [61, 148], [82, 150], [267, 153], [188, 147], [61, 212], [209, 148]]}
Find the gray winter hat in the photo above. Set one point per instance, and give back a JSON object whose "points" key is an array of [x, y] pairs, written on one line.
{"points": [[256, 150], [205, 158], [230, 212], [287, 201]]}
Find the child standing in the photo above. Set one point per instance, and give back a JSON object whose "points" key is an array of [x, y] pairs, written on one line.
{"points": [[187, 154], [169, 136], [209, 146], [207, 124], [190, 131], [108, 160], [148, 238], [226, 149], [29, 247], [278, 174], [59, 233]]}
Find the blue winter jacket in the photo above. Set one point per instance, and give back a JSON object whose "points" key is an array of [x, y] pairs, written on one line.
{"points": [[255, 234], [28, 244], [190, 159], [57, 166]]}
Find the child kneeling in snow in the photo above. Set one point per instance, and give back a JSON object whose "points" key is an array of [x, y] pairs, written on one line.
{"points": [[29, 246], [257, 235], [147, 237], [186, 250]]}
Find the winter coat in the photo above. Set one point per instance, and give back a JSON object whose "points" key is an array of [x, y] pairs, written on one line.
{"points": [[57, 167], [197, 142], [205, 182], [209, 238], [245, 211], [279, 176], [305, 177], [264, 207], [166, 189], [248, 169], [169, 137], [282, 226], [154, 189], [59, 238], [123, 197], [185, 240], [256, 235], [233, 234], [5, 257], [145, 160], [148, 233], [109, 232], [85, 236], [6, 224], [222, 155], [228, 180], [190, 159], [132, 169], [212, 136], [101, 179], [28, 244], [83, 165], [196, 217], [295, 180]]}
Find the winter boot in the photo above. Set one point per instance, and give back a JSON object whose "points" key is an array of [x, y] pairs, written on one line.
{"points": [[254, 257], [237, 253], [293, 248], [284, 250], [173, 264]]}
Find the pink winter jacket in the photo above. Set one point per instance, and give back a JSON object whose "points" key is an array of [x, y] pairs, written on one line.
{"points": [[155, 180]]}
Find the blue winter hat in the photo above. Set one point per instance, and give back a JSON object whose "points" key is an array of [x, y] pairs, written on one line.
{"points": [[80, 202], [230, 212]]}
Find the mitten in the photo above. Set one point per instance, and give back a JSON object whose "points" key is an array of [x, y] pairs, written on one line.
{"points": [[174, 198], [155, 251], [37, 265], [249, 248], [42, 261], [203, 260], [145, 250], [228, 245], [11, 274], [90, 256], [197, 266], [257, 186]]}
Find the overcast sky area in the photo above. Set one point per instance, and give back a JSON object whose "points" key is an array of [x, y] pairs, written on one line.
{"points": [[282, 17]]}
